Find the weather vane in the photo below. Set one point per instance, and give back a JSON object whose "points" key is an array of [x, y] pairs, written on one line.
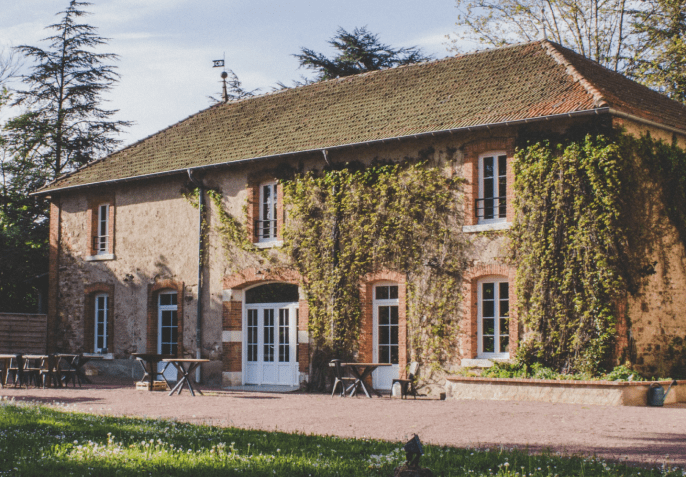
{"points": [[220, 64]]}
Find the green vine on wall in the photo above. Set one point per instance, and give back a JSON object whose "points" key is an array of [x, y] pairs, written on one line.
{"points": [[574, 242], [345, 223]]}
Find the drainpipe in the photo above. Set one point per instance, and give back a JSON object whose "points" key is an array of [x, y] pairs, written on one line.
{"points": [[198, 316]]}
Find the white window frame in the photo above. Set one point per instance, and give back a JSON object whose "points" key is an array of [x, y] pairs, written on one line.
{"points": [[272, 212], [103, 240], [496, 187], [105, 311], [160, 309], [497, 280]]}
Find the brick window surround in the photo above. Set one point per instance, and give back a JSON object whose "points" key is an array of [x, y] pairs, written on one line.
{"points": [[152, 326], [94, 204], [90, 292], [470, 169], [253, 190], [366, 345], [232, 353], [470, 307]]}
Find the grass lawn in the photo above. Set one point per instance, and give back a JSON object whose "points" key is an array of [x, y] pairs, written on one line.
{"points": [[50, 441]]}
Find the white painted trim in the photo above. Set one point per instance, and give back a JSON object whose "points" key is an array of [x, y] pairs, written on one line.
{"points": [[497, 280], [486, 227], [104, 324], [100, 258], [496, 182], [232, 336]]}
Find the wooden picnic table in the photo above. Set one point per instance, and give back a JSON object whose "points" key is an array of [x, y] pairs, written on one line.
{"points": [[149, 362], [5, 361], [185, 367], [361, 371]]}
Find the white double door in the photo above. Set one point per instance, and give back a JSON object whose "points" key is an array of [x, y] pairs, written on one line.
{"points": [[270, 344]]}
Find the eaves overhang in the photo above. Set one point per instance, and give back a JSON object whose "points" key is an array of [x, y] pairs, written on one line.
{"points": [[517, 122]]}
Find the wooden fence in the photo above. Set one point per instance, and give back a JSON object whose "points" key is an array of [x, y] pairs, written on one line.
{"points": [[23, 333]]}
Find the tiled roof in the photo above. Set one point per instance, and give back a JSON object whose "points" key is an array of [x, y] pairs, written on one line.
{"points": [[494, 86]]}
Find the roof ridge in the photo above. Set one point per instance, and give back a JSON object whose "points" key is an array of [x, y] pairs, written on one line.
{"points": [[551, 49]]}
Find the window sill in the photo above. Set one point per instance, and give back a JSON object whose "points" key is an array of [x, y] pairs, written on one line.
{"points": [[486, 227], [270, 244], [99, 258]]}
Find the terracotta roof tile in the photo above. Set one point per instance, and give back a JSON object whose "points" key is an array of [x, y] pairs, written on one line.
{"points": [[494, 86]]}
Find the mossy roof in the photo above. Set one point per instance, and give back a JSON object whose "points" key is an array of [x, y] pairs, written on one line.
{"points": [[507, 84]]}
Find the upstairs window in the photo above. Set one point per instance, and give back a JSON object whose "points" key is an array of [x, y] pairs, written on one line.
{"points": [[266, 226], [101, 239], [491, 206]]}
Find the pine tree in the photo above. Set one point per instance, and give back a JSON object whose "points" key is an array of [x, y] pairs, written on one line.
{"points": [[65, 126], [360, 51]]}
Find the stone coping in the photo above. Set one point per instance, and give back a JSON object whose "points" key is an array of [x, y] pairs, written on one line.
{"points": [[558, 382]]}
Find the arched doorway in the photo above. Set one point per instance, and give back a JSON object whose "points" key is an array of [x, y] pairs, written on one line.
{"points": [[270, 324]]}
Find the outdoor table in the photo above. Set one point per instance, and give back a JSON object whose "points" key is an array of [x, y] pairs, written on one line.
{"points": [[149, 362], [47, 367], [77, 362], [6, 360], [185, 372], [361, 371]]}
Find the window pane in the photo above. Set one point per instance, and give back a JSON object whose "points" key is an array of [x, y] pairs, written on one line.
{"points": [[166, 335], [488, 344], [393, 292], [488, 167], [504, 290], [384, 335], [488, 291], [384, 354], [384, 312], [165, 299], [381, 293], [172, 298], [488, 308], [502, 165], [394, 315], [504, 326], [394, 354], [174, 335], [504, 308], [504, 344], [488, 326], [394, 335], [100, 344]]}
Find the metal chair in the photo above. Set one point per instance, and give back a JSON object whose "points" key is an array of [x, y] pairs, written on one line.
{"points": [[340, 379], [407, 386]]}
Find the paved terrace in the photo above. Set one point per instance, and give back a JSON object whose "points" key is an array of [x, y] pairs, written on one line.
{"points": [[640, 434]]}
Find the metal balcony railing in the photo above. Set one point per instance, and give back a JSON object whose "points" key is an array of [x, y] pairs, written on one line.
{"points": [[491, 208], [265, 229], [101, 243]]}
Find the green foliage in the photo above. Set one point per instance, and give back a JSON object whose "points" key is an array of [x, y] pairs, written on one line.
{"points": [[359, 51], [348, 222], [570, 243], [660, 59], [538, 371], [65, 126], [48, 442]]}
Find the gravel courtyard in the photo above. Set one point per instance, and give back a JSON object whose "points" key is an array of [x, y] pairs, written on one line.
{"points": [[639, 434]]}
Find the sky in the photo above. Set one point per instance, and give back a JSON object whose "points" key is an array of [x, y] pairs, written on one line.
{"points": [[166, 47]]}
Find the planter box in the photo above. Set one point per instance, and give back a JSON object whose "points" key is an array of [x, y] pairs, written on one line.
{"points": [[608, 393]]}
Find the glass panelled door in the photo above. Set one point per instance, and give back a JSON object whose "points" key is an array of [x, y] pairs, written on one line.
{"points": [[386, 349], [167, 330], [270, 344], [494, 318]]}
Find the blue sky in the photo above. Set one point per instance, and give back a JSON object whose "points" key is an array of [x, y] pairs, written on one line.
{"points": [[166, 47]]}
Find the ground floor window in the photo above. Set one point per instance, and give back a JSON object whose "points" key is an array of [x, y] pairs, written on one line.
{"points": [[386, 334], [101, 319], [494, 318]]}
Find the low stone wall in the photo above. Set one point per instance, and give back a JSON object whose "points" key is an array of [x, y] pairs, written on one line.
{"points": [[608, 393]]}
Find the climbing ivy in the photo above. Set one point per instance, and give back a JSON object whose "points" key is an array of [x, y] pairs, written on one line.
{"points": [[344, 223]]}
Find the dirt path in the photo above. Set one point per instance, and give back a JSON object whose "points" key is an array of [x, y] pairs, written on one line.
{"points": [[640, 434]]}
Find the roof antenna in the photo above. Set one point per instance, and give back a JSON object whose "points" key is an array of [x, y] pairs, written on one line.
{"points": [[545, 31], [224, 75]]}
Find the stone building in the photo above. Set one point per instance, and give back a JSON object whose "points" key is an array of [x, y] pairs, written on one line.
{"points": [[124, 272]]}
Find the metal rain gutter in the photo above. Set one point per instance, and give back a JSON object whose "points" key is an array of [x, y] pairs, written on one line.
{"points": [[516, 122]]}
